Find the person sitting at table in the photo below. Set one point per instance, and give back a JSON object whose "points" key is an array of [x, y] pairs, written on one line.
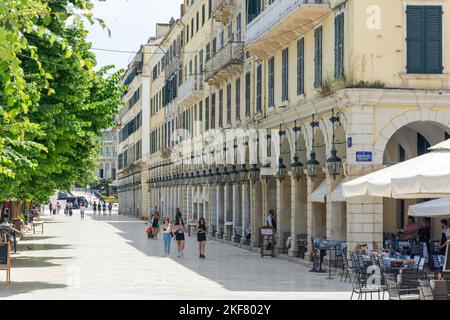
{"points": [[410, 229]]}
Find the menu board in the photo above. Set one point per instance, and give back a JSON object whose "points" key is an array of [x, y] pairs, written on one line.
{"points": [[447, 257]]}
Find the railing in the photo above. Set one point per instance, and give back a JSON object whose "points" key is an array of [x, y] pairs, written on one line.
{"points": [[273, 14], [194, 83], [172, 67], [232, 53]]}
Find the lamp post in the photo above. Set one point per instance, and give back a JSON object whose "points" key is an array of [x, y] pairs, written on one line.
{"points": [[281, 172], [312, 165], [296, 166], [334, 163]]}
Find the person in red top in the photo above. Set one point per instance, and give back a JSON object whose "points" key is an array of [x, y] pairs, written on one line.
{"points": [[410, 228]]}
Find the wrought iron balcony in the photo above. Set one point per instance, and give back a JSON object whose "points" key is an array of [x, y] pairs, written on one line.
{"points": [[222, 10], [172, 67], [225, 62], [284, 21], [190, 91]]}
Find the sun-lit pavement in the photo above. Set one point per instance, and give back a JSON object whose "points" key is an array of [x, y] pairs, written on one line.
{"points": [[111, 258]]}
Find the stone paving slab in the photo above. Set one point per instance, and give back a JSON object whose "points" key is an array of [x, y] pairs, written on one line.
{"points": [[110, 257]]}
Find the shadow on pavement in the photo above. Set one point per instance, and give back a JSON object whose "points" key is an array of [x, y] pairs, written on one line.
{"points": [[35, 262], [234, 268], [43, 246], [31, 237], [25, 287]]}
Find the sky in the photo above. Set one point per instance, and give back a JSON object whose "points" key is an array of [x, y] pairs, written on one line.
{"points": [[131, 23]]}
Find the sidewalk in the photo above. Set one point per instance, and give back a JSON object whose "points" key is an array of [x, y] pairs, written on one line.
{"points": [[105, 257]]}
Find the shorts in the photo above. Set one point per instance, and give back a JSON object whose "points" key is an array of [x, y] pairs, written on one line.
{"points": [[179, 236], [201, 237]]}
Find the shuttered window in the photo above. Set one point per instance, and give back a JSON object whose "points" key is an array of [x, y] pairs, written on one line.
{"points": [[238, 99], [207, 113], [339, 46], [285, 75], [213, 111], [318, 57], [229, 103], [301, 66], [424, 39], [247, 93], [259, 88], [271, 82], [221, 108]]}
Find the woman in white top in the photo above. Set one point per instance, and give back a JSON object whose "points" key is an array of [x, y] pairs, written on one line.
{"points": [[166, 230]]}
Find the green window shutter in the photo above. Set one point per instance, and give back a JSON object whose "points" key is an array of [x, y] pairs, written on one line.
{"points": [[415, 40], [339, 47], [318, 57], [433, 39]]}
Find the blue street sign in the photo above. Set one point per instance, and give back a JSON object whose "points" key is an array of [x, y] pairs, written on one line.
{"points": [[363, 156]]}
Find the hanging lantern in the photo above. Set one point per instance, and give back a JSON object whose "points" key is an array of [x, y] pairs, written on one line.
{"points": [[235, 174], [281, 173], [244, 173], [254, 173], [297, 168], [217, 177], [211, 177], [334, 164], [225, 175], [312, 165], [204, 179]]}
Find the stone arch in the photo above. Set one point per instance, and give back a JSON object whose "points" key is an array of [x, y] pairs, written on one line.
{"points": [[400, 121]]}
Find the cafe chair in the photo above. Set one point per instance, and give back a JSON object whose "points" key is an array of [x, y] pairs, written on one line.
{"points": [[396, 292], [5, 260], [426, 293], [359, 287]]}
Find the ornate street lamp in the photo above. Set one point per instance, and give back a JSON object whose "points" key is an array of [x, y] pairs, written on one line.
{"points": [[254, 173], [281, 173], [211, 177], [225, 175], [243, 174], [217, 176], [334, 163], [267, 177], [312, 165], [198, 178], [296, 166], [204, 179]]}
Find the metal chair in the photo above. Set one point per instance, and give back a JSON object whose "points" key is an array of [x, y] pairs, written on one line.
{"points": [[359, 287], [396, 292], [426, 293]]}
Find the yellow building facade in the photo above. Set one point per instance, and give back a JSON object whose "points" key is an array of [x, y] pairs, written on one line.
{"points": [[342, 88]]}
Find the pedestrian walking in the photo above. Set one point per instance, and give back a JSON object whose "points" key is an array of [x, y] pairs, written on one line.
{"points": [[104, 208], [70, 209], [66, 209], [201, 237], [179, 230], [271, 222], [110, 206], [94, 208], [155, 225], [58, 208], [167, 235], [82, 209], [50, 207]]}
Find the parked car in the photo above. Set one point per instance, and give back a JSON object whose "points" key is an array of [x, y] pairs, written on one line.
{"points": [[76, 201]]}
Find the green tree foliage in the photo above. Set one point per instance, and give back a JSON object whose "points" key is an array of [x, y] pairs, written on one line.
{"points": [[50, 130]]}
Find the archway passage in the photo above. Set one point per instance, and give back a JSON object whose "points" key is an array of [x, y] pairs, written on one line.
{"points": [[409, 141]]}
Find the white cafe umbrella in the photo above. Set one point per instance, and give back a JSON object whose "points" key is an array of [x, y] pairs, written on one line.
{"points": [[432, 208], [426, 176]]}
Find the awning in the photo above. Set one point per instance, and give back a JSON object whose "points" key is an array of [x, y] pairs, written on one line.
{"points": [[319, 194], [426, 176], [336, 195], [433, 208]]}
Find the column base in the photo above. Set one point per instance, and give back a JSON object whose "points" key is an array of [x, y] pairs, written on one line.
{"points": [[293, 252]]}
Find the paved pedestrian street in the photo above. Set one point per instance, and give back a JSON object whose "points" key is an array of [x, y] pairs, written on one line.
{"points": [[107, 257]]}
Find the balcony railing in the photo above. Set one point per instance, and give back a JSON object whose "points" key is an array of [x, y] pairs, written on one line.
{"points": [[190, 91], [224, 61], [172, 67], [222, 10], [277, 12]]}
